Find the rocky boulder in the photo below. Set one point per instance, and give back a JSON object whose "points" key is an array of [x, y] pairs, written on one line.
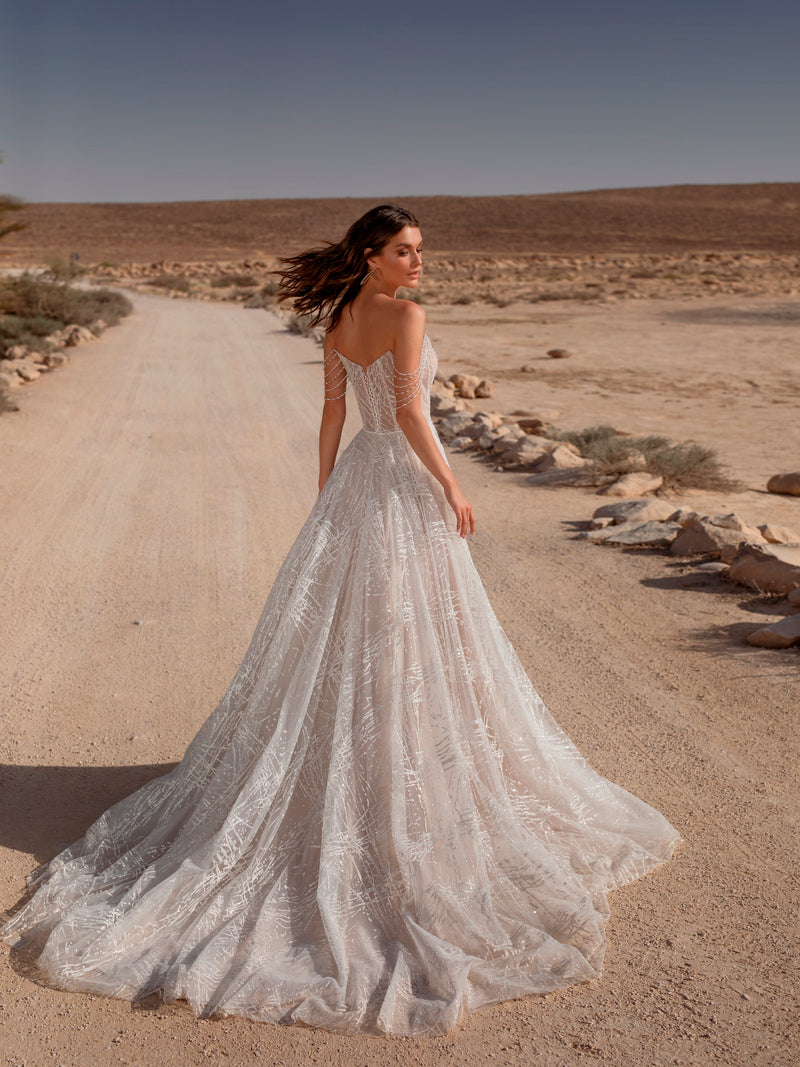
{"points": [[781, 634], [767, 568], [654, 534], [648, 510], [455, 424], [785, 483], [560, 457], [779, 535], [636, 483], [713, 535]]}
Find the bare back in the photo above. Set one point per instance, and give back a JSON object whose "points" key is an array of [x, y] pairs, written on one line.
{"points": [[367, 328]]}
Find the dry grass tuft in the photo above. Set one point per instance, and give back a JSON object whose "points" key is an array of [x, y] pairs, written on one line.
{"points": [[682, 466]]}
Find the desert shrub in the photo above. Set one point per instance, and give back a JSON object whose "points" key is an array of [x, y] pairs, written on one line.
{"points": [[60, 270], [178, 283], [691, 466], [243, 281], [299, 324], [32, 308], [461, 298], [270, 288], [682, 466]]}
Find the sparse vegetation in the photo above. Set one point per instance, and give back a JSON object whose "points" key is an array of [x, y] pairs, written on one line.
{"points": [[682, 466], [241, 281], [178, 283], [32, 307], [300, 324]]}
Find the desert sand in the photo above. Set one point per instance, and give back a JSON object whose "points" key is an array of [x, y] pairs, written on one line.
{"points": [[150, 491]]}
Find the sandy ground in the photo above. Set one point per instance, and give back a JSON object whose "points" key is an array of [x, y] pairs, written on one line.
{"points": [[150, 490]]}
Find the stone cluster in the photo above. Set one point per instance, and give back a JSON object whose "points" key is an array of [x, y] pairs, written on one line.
{"points": [[21, 364], [765, 558]]}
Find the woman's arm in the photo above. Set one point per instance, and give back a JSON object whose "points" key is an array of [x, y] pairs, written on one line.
{"points": [[410, 418], [334, 411]]}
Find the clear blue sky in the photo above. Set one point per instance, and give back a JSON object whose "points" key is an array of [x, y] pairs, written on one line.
{"points": [[102, 100]]}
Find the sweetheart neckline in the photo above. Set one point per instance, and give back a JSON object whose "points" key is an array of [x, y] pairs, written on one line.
{"points": [[377, 359]]}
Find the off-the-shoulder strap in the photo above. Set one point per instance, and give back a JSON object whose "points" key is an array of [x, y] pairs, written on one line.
{"points": [[335, 376], [407, 384]]}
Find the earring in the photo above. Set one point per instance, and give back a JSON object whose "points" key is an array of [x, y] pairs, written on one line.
{"points": [[367, 276]]}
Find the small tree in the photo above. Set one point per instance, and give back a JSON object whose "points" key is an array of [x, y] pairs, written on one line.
{"points": [[7, 205]]}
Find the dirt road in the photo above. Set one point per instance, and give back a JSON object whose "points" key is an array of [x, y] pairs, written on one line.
{"points": [[149, 492]]}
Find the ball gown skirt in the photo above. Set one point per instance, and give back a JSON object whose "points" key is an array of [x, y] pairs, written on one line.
{"points": [[380, 828]]}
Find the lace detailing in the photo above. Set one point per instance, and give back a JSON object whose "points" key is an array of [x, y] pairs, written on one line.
{"points": [[336, 381], [380, 827]]}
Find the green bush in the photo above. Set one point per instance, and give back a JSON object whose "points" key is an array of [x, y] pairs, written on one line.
{"points": [[32, 308]]}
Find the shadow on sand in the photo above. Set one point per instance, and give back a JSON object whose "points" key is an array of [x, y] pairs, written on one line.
{"points": [[45, 809]]}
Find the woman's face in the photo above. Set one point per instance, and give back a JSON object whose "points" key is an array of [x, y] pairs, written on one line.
{"points": [[400, 260]]}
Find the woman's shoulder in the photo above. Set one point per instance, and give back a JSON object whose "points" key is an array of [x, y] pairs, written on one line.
{"points": [[408, 316]]}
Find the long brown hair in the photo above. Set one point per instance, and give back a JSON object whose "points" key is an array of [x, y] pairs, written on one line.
{"points": [[322, 281]]}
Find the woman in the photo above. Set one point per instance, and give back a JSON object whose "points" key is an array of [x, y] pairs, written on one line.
{"points": [[380, 828]]}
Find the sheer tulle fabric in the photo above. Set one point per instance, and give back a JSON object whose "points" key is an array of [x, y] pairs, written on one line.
{"points": [[380, 828]]}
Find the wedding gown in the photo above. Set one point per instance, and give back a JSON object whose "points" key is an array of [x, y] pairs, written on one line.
{"points": [[380, 828]]}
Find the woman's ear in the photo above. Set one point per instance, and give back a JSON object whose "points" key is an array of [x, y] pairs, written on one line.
{"points": [[366, 256]]}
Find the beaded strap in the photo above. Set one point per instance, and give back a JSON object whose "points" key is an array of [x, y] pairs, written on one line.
{"points": [[406, 386], [335, 376]]}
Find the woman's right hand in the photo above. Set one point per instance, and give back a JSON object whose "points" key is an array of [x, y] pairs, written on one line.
{"points": [[465, 520]]}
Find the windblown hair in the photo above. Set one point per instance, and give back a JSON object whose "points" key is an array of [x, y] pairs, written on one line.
{"points": [[321, 282]]}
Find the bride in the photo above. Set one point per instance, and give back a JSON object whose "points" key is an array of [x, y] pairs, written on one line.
{"points": [[380, 827]]}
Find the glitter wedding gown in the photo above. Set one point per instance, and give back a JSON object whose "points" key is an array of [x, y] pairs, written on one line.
{"points": [[380, 828]]}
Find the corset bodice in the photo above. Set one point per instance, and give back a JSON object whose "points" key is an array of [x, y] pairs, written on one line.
{"points": [[375, 386]]}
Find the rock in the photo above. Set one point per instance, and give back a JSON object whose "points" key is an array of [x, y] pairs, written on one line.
{"points": [[485, 441], [779, 535], [781, 634], [532, 425], [634, 484], [441, 405], [484, 388], [558, 353], [767, 568], [528, 368], [455, 424], [685, 517], [56, 359], [507, 434], [794, 597], [490, 418], [77, 335], [785, 483], [562, 457], [710, 536], [647, 510], [601, 523], [733, 522], [462, 441], [38, 357], [530, 454], [659, 534], [16, 352], [465, 384], [98, 326], [27, 371]]}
